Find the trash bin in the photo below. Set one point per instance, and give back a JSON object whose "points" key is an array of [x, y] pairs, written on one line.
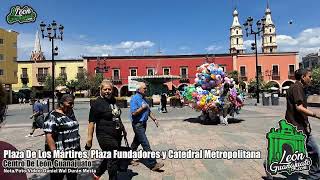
{"points": [[275, 99], [265, 99]]}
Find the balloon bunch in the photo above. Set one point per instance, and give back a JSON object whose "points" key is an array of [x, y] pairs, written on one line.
{"points": [[209, 82]]}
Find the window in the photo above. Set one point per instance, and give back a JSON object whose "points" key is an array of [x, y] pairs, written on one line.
{"points": [[184, 72], [259, 70], [270, 39], [237, 40], [242, 71], [291, 69], [1, 57], [275, 70], [166, 71], [1, 72], [63, 70], [1, 41], [43, 71], [133, 72], [24, 72], [236, 31], [150, 71], [116, 74], [271, 50], [80, 69], [270, 30]]}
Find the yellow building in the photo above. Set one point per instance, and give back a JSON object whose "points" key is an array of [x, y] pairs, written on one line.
{"points": [[8, 59], [33, 74]]}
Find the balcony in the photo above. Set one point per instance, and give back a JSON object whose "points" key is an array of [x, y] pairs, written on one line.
{"points": [[63, 76], [80, 75], [184, 78], [24, 78], [291, 76], [275, 76], [116, 80], [243, 78], [41, 77]]}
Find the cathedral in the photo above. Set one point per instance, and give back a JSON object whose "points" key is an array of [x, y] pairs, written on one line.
{"points": [[269, 44]]}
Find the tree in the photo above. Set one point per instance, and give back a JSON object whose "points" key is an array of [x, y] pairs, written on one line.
{"points": [[252, 86], [82, 81], [94, 82], [60, 81], [235, 75], [315, 80]]}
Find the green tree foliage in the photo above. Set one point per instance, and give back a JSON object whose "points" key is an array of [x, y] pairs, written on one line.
{"points": [[82, 81], [94, 82]]}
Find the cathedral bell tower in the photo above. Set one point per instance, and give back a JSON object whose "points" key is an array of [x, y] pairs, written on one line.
{"points": [[236, 36], [269, 43]]}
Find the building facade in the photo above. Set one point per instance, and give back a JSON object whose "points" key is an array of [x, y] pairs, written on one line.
{"points": [[311, 60], [118, 68], [32, 75], [8, 60], [277, 68]]}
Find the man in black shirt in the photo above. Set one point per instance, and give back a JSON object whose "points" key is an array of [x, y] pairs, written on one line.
{"points": [[297, 114]]}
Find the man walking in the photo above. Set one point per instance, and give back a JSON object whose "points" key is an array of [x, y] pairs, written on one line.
{"points": [[37, 117], [139, 113], [297, 114]]}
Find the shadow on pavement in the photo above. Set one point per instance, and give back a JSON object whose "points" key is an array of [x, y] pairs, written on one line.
{"points": [[144, 162], [215, 121], [88, 176]]}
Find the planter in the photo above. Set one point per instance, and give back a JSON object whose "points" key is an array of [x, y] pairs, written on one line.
{"points": [[175, 102], [122, 103]]}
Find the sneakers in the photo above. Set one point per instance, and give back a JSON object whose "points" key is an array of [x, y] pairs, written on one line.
{"points": [[157, 167], [29, 135]]}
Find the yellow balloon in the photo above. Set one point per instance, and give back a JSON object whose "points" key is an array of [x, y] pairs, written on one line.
{"points": [[214, 98]]}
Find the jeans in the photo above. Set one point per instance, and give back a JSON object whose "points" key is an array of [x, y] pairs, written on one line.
{"points": [[140, 137]]}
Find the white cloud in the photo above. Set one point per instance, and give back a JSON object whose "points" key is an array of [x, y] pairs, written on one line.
{"points": [[213, 48], [308, 41], [184, 48], [77, 46]]}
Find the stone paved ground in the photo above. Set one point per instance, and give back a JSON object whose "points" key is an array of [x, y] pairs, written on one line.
{"points": [[180, 129]]}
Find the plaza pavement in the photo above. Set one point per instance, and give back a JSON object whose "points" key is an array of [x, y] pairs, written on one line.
{"points": [[180, 129]]}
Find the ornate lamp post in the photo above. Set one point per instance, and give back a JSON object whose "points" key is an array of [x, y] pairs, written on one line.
{"points": [[52, 35], [260, 28]]}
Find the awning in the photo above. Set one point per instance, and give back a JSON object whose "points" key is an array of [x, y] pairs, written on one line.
{"points": [[285, 87]]}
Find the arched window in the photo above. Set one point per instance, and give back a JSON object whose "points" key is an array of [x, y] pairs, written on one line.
{"points": [[270, 39], [270, 30], [236, 31], [237, 40]]}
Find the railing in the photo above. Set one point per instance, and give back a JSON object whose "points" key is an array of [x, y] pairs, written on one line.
{"points": [[291, 75], [275, 76], [63, 75], [116, 80], [243, 77], [24, 76], [41, 77], [184, 78]]}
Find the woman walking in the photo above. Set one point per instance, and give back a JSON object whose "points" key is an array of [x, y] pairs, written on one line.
{"points": [[105, 116], [62, 132]]}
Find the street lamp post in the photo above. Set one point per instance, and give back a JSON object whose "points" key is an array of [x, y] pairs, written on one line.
{"points": [[260, 28], [54, 51]]}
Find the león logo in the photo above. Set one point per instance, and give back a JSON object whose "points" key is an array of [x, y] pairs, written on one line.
{"points": [[21, 15], [287, 150]]}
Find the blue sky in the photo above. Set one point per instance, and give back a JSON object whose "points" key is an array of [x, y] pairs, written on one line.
{"points": [[126, 27]]}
